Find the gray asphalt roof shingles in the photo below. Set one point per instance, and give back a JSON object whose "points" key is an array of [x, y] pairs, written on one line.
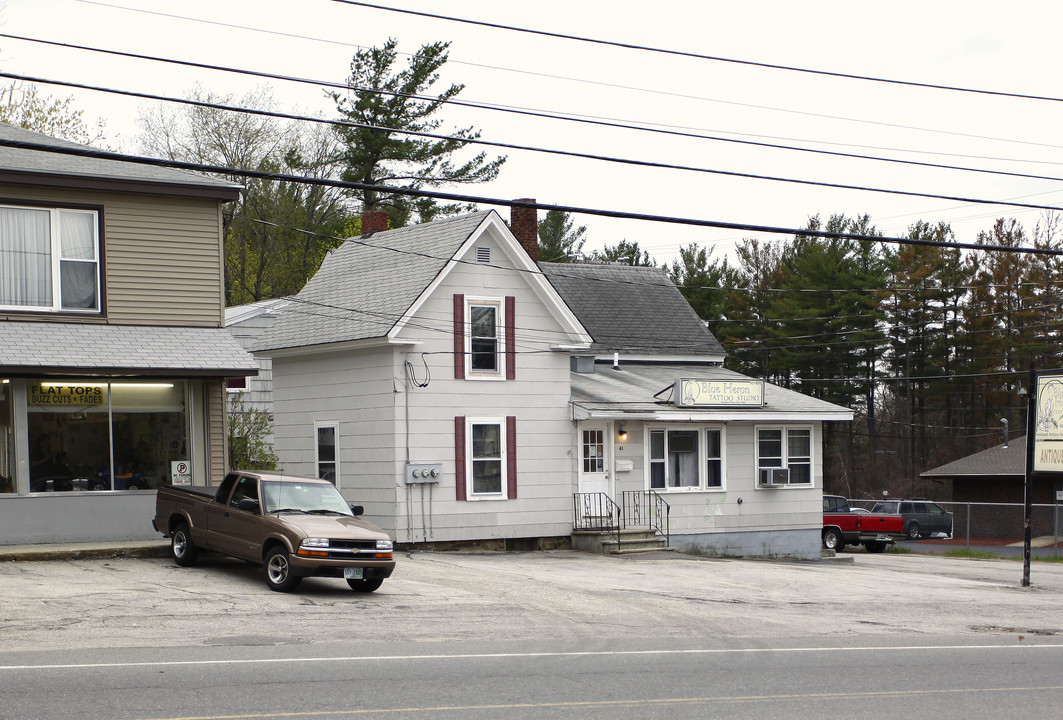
{"points": [[49, 163], [83, 346], [364, 287], [995, 461], [635, 310], [637, 388]]}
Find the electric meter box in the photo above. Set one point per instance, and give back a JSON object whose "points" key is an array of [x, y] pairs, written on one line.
{"points": [[417, 473]]}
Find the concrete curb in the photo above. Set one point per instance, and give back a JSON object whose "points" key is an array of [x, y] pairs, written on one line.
{"points": [[80, 551]]}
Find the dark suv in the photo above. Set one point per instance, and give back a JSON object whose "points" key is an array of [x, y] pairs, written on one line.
{"points": [[922, 518]]}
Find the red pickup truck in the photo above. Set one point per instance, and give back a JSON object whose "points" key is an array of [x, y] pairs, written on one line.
{"points": [[843, 525]]}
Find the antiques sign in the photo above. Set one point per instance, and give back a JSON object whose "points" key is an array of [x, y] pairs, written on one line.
{"points": [[695, 393], [1048, 425]]}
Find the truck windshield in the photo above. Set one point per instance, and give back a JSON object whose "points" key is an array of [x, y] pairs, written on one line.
{"points": [[303, 497]]}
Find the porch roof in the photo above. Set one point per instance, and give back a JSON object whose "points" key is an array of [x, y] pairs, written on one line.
{"points": [[36, 348], [643, 391]]}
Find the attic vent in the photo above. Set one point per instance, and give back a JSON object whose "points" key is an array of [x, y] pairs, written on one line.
{"points": [[483, 254]]}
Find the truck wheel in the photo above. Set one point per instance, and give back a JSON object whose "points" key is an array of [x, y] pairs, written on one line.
{"points": [[913, 531], [832, 539], [365, 586], [279, 575], [185, 552], [876, 546]]}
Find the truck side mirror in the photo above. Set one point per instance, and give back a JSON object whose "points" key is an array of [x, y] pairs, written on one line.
{"points": [[248, 505], [357, 509]]}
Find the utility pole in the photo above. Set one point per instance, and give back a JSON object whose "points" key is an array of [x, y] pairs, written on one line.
{"points": [[1031, 431]]}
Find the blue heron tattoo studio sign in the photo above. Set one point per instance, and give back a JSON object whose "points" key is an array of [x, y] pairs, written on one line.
{"points": [[697, 393]]}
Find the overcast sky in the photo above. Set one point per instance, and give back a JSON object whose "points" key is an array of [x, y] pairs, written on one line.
{"points": [[1011, 47]]}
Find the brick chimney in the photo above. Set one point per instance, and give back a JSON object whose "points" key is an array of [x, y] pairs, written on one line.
{"points": [[524, 223], [374, 221]]}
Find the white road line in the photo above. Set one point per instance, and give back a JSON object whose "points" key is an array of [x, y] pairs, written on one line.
{"points": [[474, 656]]}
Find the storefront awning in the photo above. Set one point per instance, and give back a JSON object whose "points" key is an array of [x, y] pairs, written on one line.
{"points": [[44, 348], [644, 392]]}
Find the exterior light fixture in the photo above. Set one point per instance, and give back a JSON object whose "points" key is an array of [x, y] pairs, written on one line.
{"points": [[622, 433]]}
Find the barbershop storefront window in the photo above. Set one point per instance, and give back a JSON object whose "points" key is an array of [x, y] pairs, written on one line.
{"points": [[105, 435]]}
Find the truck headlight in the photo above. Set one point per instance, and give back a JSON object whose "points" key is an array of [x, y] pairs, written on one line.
{"points": [[384, 545], [315, 542]]}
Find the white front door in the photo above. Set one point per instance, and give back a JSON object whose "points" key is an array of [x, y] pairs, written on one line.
{"points": [[595, 453]]}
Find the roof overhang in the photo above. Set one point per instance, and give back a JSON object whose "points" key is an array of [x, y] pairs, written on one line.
{"points": [[53, 348], [645, 392], [224, 193], [583, 411]]}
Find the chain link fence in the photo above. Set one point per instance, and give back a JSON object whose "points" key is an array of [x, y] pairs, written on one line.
{"points": [[993, 526]]}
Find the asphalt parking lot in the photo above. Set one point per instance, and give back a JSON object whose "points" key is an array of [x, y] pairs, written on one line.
{"points": [[438, 597]]}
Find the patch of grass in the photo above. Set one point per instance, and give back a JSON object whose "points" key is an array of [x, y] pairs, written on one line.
{"points": [[898, 550], [977, 554]]}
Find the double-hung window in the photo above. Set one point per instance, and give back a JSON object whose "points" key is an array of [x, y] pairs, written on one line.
{"points": [[485, 338], [49, 259], [486, 458], [686, 459], [784, 456]]}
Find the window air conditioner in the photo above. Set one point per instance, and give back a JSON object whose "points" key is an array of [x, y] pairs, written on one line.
{"points": [[774, 476]]}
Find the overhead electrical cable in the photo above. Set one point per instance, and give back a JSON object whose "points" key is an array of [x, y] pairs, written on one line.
{"points": [[567, 153], [483, 200], [619, 86], [520, 111], [698, 56]]}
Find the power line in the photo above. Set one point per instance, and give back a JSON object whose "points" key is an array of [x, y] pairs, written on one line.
{"points": [[631, 88], [590, 156], [482, 200], [698, 56], [725, 173]]}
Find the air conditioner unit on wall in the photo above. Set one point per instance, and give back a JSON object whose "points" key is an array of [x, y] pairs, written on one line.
{"points": [[770, 477]]}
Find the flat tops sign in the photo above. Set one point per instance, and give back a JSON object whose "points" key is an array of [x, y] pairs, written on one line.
{"points": [[1048, 428], [697, 393], [64, 394]]}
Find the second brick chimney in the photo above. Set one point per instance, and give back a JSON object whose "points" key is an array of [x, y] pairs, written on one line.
{"points": [[524, 223], [374, 221]]}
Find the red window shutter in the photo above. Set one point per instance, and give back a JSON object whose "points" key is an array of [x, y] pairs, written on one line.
{"points": [[511, 456], [459, 457], [511, 340], [459, 337]]}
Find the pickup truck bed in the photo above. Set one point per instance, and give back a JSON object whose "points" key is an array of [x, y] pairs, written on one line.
{"points": [[294, 527], [843, 525]]}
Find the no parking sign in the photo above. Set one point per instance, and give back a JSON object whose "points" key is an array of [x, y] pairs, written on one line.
{"points": [[180, 473]]}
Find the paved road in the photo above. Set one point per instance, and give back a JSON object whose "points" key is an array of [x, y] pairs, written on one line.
{"points": [[553, 634]]}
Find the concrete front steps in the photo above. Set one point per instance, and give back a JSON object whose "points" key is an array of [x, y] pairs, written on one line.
{"points": [[631, 541]]}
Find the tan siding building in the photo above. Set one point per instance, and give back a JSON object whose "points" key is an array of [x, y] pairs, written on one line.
{"points": [[113, 353]]}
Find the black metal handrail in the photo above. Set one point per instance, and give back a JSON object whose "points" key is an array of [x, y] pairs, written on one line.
{"points": [[646, 508], [596, 511]]}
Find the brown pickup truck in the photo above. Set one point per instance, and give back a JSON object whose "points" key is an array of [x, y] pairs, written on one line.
{"points": [[293, 526]]}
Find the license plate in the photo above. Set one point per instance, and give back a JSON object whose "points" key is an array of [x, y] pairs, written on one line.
{"points": [[883, 537], [352, 573]]}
